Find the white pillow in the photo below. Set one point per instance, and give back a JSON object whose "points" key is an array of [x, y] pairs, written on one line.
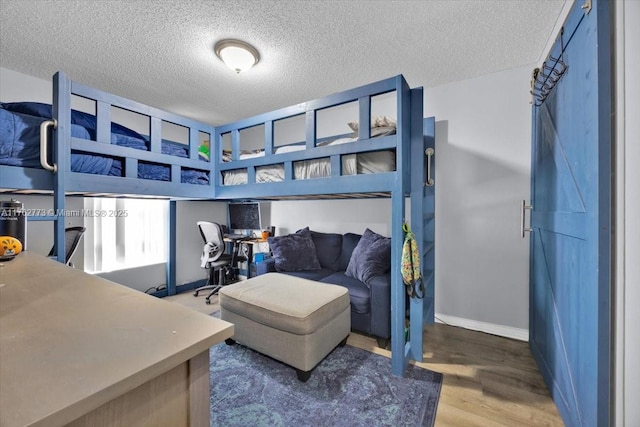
{"points": [[379, 121]]}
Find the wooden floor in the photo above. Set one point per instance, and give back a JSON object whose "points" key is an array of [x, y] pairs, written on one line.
{"points": [[488, 380]]}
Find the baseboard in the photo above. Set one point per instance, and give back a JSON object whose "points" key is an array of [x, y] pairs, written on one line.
{"points": [[490, 328]]}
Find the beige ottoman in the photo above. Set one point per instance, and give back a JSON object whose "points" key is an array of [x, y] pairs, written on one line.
{"points": [[293, 320]]}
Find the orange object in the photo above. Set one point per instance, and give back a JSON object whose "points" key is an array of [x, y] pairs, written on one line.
{"points": [[9, 247], [265, 235]]}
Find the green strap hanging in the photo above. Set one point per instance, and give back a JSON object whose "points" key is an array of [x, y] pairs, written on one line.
{"points": [[411, 271]]}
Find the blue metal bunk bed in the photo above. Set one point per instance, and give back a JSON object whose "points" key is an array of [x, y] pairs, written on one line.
{"points": [[409, 177], [409, 143]]}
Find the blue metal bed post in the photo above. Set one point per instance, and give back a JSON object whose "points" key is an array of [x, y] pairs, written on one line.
{"points": [[417, 212], [400, 350], [62, 156], [429, 220], [171, 241]]}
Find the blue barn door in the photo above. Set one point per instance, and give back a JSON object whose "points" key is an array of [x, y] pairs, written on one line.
{"points": [[570, 265]]}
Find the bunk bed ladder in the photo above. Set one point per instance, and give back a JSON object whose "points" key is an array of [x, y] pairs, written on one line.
{"points": [[417, 184], [422, 205]]}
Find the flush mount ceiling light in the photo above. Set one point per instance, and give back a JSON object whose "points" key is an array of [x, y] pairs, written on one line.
{"points": [[238, 55]]}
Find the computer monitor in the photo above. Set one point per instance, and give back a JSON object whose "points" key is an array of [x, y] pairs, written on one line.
{"points": [[245, 216]]}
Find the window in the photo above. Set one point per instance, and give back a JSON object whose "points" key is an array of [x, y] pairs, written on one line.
{"points": [[124, 233]]}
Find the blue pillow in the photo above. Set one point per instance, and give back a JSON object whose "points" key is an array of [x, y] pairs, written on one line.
{"points": [[371, 257], [79, 118], [294, 252], [328, 248]]}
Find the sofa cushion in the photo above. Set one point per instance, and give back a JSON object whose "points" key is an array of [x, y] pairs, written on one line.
{"points": [[312, 274], [349, 243], [358, 291], [328, 248], [294, 252], [371, 257]]}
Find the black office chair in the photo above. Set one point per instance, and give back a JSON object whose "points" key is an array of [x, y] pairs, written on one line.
{"points": [[213, 257], [72, 236]]}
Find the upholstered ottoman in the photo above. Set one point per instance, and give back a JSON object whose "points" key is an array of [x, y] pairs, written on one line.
{"points": [[293, 320]]}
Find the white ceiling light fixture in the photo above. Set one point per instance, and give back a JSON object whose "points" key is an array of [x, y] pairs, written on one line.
{"points": [[238, 55]]}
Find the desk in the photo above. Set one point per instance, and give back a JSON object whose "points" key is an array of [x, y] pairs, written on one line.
{"points": [[78, 349], [250, 243]]}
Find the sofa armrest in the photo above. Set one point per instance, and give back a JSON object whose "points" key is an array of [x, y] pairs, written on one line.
{"points": [[381, 305], [266, 266]]}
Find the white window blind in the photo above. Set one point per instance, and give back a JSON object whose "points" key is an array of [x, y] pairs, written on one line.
{"points": [[124, 233]]}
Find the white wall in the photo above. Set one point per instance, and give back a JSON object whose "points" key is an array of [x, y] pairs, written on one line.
{"points": [[332, 216], [628, 205]]}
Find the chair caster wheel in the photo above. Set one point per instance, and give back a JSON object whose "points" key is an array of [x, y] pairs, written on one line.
{"points": [[195, 294], [208, 301]]}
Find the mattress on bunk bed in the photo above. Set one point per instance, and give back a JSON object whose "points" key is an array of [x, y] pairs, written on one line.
{"points": [[20, 144], [352, 164]]}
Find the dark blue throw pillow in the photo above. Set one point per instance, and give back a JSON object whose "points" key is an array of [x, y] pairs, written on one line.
{"points": [[294, 252], [371, 257]]}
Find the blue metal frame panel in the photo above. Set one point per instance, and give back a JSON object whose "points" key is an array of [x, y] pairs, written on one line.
{"points": [[417, 194], [172, 239], [401, 351], [62, 157], [26, 178], [604, 10], [429, 224]]}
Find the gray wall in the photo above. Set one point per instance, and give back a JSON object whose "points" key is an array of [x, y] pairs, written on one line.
{"points": [[482, 173]]}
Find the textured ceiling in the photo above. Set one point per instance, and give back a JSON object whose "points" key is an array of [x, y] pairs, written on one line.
{"points": [[160, 52]]}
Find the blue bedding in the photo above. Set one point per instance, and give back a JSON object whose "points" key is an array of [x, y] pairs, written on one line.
{"points": [[20, 144]]}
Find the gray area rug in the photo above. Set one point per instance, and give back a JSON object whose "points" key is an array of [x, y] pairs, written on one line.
{"points": [[351, 387]]}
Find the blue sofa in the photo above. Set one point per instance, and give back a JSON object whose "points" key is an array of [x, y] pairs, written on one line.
{"points": [[370, 297]]}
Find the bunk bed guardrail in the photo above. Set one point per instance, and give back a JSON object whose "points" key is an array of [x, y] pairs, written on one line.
{"points": [[334, 183], [148, 166]]}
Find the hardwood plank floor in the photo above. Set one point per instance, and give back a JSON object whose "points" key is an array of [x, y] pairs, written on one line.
{"points": [[488, 380]]}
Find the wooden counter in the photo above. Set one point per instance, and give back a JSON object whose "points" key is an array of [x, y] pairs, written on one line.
{"points": [[76, 348]]}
